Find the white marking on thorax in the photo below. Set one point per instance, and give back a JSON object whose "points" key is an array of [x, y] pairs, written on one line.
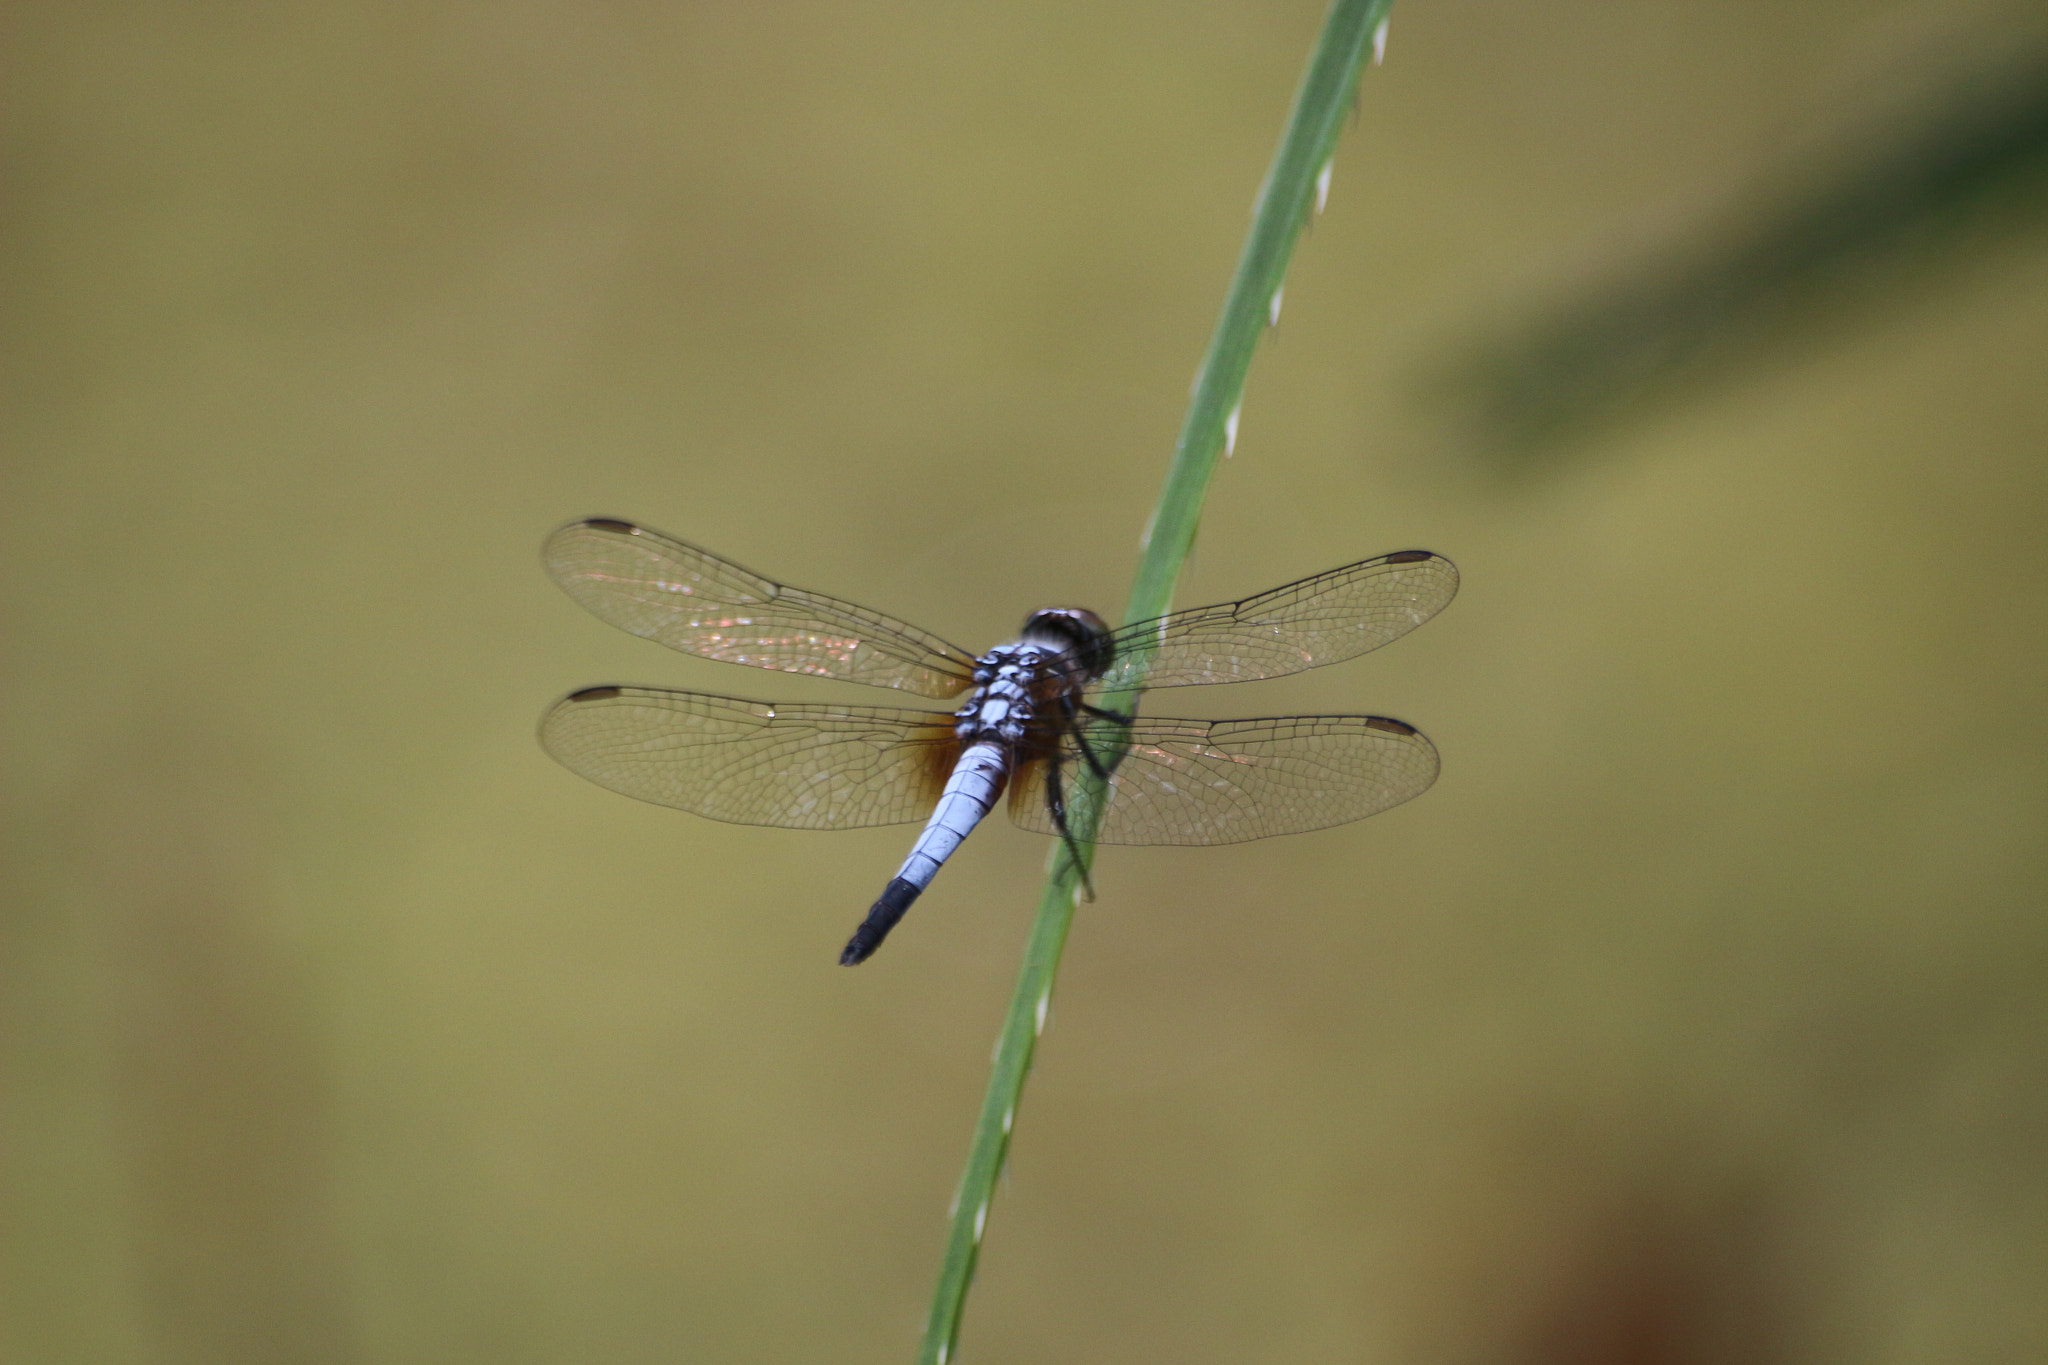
{"points": [[1001, 705]]}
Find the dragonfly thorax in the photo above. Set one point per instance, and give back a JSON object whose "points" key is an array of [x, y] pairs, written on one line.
{"points": [[1062, 650], [1008, 682]]}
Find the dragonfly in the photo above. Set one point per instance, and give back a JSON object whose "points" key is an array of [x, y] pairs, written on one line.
{"points": [[1027, 725]]}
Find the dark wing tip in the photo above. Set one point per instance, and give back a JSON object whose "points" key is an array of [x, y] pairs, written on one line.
{"points": [[612, 524], [1409, 556], [594, 694], [1387, 723]]}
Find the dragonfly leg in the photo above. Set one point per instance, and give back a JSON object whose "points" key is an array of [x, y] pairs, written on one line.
{"points": [[1088, 754], [1056, 802], [1074, 710]]}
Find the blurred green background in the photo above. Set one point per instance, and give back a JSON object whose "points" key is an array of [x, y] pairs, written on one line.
{"points": [[1696, 1015]]}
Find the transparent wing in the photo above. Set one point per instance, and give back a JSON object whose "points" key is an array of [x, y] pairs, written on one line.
{"points": [[690, 599], [1316, 621], [1225, 781], [755, 763]]}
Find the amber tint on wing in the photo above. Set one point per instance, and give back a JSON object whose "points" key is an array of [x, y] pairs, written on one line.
{"points": [[755, 763]]}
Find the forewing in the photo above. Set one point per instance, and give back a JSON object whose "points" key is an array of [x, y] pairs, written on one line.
{"points": [[1316, 621], [690, 599], [1226, 781], [755, 763]]}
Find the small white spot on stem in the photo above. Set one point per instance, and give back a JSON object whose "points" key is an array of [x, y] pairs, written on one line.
{"points": [[1273, 308], [1044, 1004], [1379, 43], [1009, 1118], [1230, 432], [980, 1219], [945, 1349], [1323, 186]]}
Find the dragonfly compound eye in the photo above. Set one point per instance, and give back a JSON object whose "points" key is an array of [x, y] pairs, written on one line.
{"points": [[1077, 631]]}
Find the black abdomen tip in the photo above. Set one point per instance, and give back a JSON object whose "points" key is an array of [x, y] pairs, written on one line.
{"points": [[882, 917]]}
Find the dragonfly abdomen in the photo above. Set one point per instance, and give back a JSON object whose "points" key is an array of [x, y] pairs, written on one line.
{"points": [[970, 794], [990, 725]]}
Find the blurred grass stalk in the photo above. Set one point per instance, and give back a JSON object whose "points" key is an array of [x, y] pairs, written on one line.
{"points": [[1294, 190], [1957, 169]]}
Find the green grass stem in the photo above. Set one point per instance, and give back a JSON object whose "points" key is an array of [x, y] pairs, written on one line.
{"points": [[1293, 192]]}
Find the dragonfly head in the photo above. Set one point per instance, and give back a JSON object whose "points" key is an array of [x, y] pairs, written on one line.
{"points": [[1076, 632]]}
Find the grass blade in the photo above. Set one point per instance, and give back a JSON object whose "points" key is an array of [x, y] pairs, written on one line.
{"points": [[1292, 193]]}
